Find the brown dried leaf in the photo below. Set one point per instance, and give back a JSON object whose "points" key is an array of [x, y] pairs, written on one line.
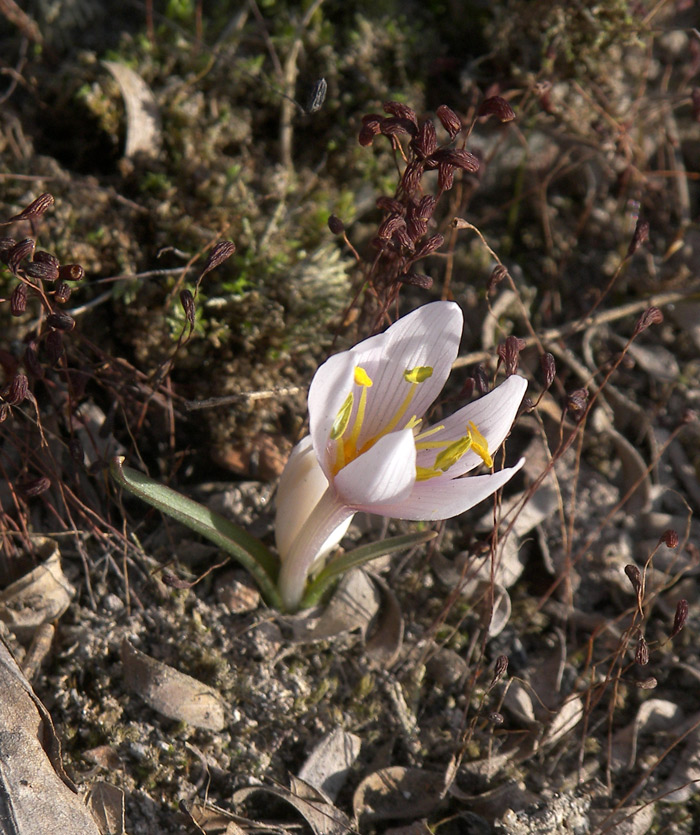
{"points": [[653, 715], [39, 597], [384, 644], [398, 792], [328, 765], [170, 692], [106, 802]]}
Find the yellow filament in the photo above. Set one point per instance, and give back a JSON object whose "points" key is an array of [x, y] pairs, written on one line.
{"points": [[452, 451]]}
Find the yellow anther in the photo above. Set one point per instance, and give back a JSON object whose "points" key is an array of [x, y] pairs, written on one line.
{"points": [[452, 453], [418, 374], [362, 378], [479, 444], [340, 424]]}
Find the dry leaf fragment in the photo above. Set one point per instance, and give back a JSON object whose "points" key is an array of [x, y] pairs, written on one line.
{"points": [[36, 793], [328, 765], [170, 692], [143, 125], [398, 792], [39, 597], [106, 802]]}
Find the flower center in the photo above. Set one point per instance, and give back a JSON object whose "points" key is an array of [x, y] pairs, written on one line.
{"points": [[347, 426], [450, 452]]}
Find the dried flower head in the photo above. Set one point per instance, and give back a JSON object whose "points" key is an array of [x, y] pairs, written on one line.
{"points": [[17, 390], [21, 250], [652, 316], [498, 273], [669, 538], [60, 321], [641, 655], [417, 280], [449, 119], [680, 617], [34, 210], [220, 252], [18, 300], [336, 225], [500, 668], [641, 234], [549, 369], [497, 106], [577, 404], [71, 272], [62, 292], [187, 302], [509, 353]]}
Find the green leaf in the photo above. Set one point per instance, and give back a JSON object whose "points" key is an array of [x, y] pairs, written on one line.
{"points": [[249, 551], [359, 556]]}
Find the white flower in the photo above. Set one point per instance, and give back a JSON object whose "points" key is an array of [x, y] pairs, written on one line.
{"points": [[368, 449]]}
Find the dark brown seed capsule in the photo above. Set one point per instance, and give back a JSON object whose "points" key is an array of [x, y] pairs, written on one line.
{"points": [[397, 127], [481, 380], [21, 250], [336, 225], [680, 617], [446, 176], [641, 234], [549, 369], [187, 302], [46, 258], [648, 683], [652, 316], [498, 273], [390, 205], [389, 226], [497, 106], [61, 321], [220, 252], [496, 718], [401, 111], [18, 300], [417, 280], [670, 538], [509, 353], [31, 362], [35, 209], [54, 346], [62, 292], [6, 245], [641, 656], [41, 271], [410, 180], [429, 246], [635, 577], [500, 668], [425, 141], [371, 127], [34, 487], [17, 391], [576, 404], [71, 272], [459, 158], [450, 120]]}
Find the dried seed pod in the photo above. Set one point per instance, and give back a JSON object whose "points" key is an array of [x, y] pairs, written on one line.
{"points": [[389, 226], [18, 299], [500, 668], [497, 106], [46, 258], [220, 252], [62, 292], [429, 246], [60, 321], [635, 577], [425, 142], [34, 487], [576, 404], [412, 174], [54, 346], [549, 368], [17, 391], [509, 353], [496, 718], [35, 209], [401, 111], [336, 225], [393, 126], [41, 270], [371, 127], [390, 205], [71, 272], [31, 361], [641, 656], [416, 228], [449, 119], [4, 412], [187, 302], [417, 280], [446, 176], [680, 617], [458, 157], [641, 234], [669, 538], [426, 207], [481, 380], [648, 683], [6, 245], [652, 316], [21, 250], [498, 273]]}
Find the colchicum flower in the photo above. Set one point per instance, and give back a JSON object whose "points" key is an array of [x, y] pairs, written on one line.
{"points": [[368, 449]]}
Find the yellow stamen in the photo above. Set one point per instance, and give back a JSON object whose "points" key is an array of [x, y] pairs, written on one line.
{"points": [[480, 445], [419, 374], [453, 453], [340, 424], [362, 378]]}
